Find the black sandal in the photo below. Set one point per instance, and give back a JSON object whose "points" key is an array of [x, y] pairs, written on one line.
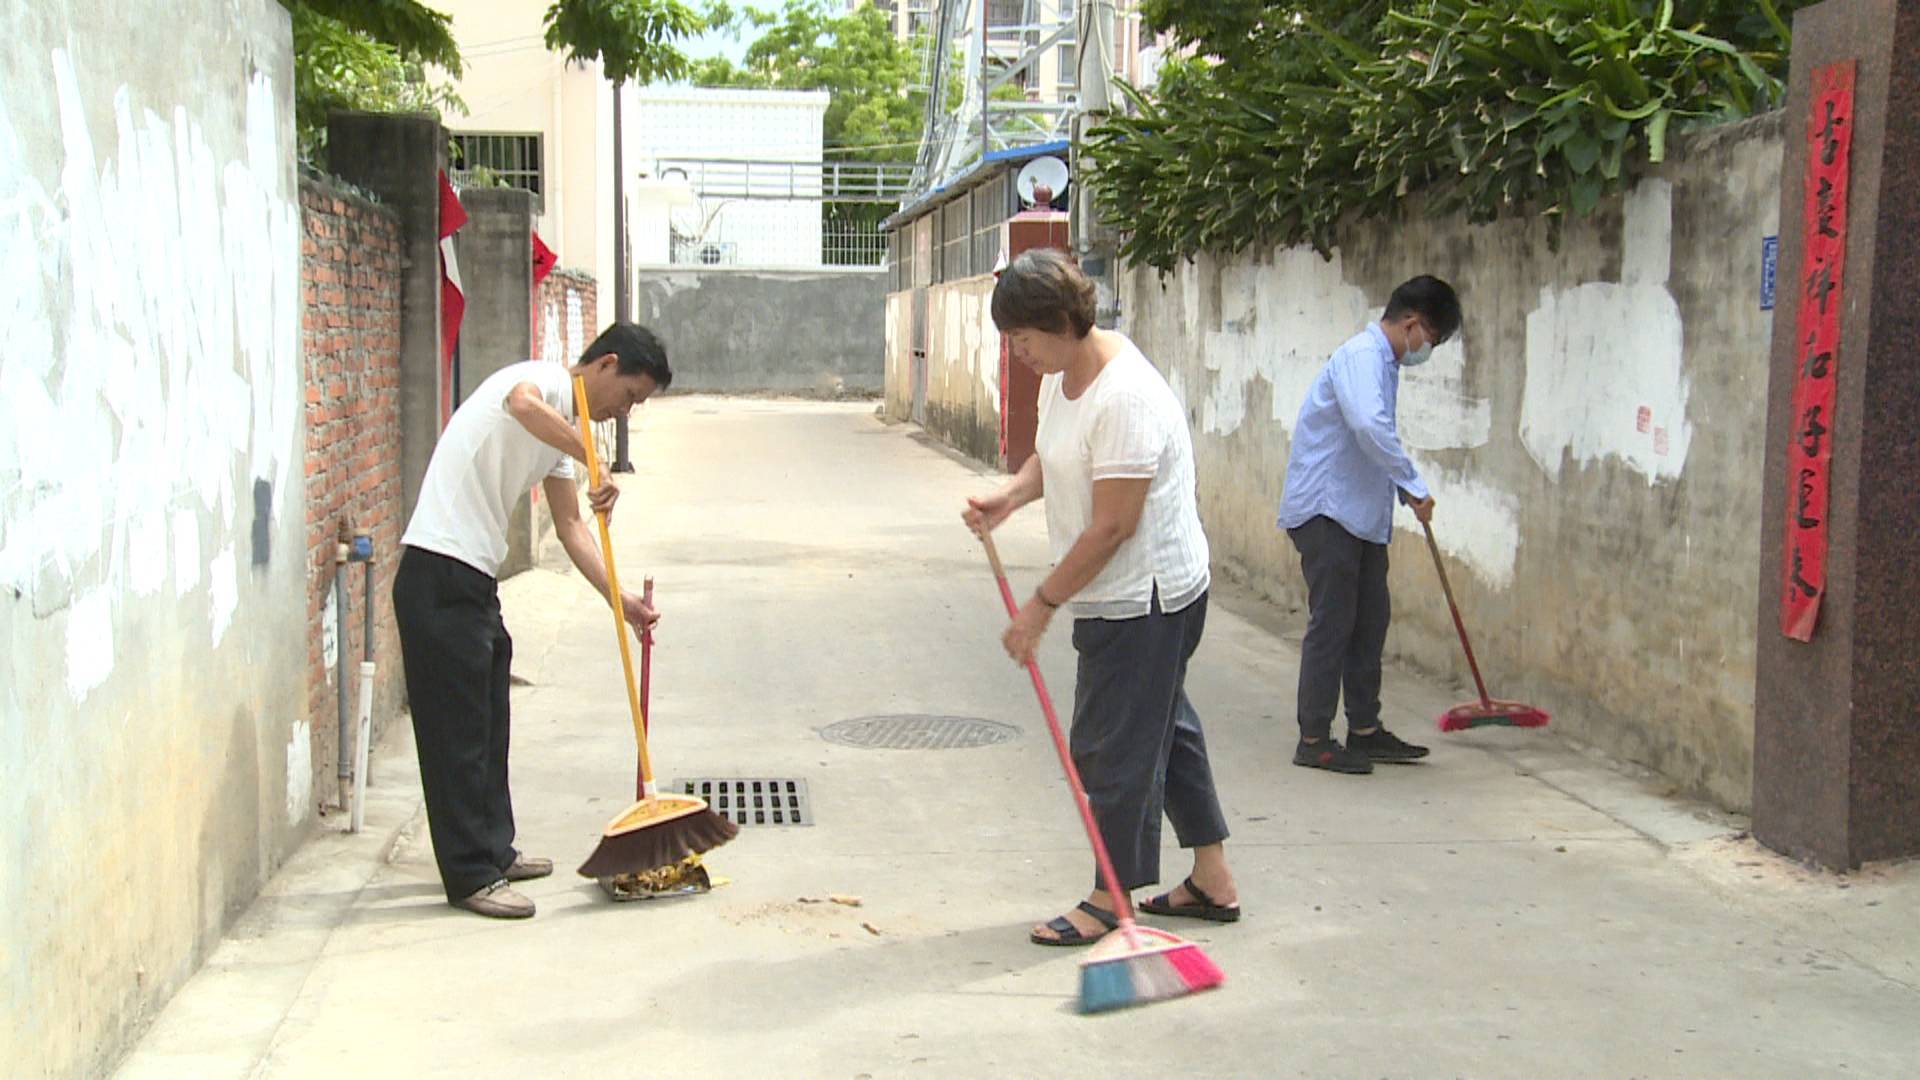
{"points": [[1202, 908], [1070, 935]]}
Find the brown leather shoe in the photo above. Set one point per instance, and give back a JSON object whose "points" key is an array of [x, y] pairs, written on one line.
{"points": [[526, 869], [498, 901]]}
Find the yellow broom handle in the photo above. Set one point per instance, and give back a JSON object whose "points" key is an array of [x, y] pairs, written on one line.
{"points": [[613, 588]]}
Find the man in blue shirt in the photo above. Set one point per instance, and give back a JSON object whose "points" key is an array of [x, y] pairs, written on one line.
{"points": [[1346, 468]]}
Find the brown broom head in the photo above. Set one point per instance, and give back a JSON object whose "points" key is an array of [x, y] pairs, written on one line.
{"points": [[655, 833], [1474, 714]]}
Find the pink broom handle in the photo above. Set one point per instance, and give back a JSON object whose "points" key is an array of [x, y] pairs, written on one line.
{"points": [[646, 683], [1122, 906]]}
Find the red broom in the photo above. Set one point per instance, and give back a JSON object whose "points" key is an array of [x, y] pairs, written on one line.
{"points": [[1134, 965], [1486, 712]]}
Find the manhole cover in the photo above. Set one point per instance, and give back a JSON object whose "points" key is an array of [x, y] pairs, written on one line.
{"points": [[778, 801], [918, 731]]}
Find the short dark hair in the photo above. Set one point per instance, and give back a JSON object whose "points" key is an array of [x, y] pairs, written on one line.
{"points": [[640, 352], [1431, 299], [1043, 290]]}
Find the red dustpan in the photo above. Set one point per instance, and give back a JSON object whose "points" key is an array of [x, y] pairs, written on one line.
{"points": [[1486, 712]]}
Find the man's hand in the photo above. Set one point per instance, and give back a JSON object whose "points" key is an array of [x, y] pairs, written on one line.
{"points": [[1024, 633], [603, 497], [984, 513], [640, 614], [1422, 508]]}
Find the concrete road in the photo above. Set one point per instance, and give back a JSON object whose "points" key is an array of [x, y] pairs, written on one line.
{"points": [[1513, 908]]}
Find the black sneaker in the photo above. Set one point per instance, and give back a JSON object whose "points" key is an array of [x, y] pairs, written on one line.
{"points": [[1384, 745], [1330, 755]]}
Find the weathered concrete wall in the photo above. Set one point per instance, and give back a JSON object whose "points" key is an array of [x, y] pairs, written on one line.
{"points": [[1594, 441], [898, 404], [154, 743], [963, 367], [741, 330], [350, 334], [963, 364]]}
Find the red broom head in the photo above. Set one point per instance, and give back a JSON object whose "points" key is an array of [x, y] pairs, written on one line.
{"points": [[1473, 714]]}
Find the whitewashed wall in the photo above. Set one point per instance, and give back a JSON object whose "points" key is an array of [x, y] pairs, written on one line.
{"points": [[1593, 438], [153, 744]]}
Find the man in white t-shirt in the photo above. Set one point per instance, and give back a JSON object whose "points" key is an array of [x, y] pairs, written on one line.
{"points": [[1114, 462], [517, 429]]}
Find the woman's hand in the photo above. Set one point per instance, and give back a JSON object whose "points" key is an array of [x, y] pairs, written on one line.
{"points": [[1023, 635], [984, 513]]}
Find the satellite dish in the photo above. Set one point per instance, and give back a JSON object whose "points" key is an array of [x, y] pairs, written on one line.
{"points": [[1042, 172]]}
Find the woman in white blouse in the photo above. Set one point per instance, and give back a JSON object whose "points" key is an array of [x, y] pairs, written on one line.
{"points": [[1114, 461]]}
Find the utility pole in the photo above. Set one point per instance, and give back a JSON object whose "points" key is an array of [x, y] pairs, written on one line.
{"points": [[622, 301]]}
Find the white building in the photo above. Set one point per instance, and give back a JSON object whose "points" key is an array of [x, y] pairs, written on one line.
{"points": [[738, 151], [538, 123]]}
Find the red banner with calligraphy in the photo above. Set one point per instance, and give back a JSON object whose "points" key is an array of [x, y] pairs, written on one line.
{"points": [[1817, 350]]}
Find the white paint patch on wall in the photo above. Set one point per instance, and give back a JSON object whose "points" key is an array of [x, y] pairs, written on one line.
{"points": [[151, 366], [1474, 522], [186, 552], [299, 771], [1435, 410], [89, 643], [330, 631], [223, 587], [1606, 375], [1279, 323], [988, 342]]}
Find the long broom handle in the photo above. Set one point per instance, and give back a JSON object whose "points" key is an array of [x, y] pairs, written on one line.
{"points": [[1122, 905], [1472, 665], [646, 684], [613, 590]]}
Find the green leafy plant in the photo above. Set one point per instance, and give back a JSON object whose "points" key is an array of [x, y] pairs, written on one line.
{"points": [[370, 56], [1490, 107]]}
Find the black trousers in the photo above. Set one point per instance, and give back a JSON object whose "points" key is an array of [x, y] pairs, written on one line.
{"points": [[1346, 628], [1137, 741], [458, 661]]}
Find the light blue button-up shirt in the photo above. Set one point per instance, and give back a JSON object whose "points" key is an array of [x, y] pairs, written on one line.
{"points": [[1347, 459]]}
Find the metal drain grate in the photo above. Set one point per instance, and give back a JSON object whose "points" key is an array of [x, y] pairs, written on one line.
{"points": [[918, 731], [780, 801]]}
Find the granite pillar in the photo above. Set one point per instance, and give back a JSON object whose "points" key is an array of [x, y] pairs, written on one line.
{"points": [[1837, 719]]}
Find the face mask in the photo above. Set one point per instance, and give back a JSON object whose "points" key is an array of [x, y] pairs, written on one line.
{"points": [[1416, 357]]}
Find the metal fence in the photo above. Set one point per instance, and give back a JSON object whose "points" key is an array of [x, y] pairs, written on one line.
{"points": [[852, 244]]}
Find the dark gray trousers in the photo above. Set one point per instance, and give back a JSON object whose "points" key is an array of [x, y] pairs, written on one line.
{"points": [[1346, 628], [1137, 741], [458, 660]]}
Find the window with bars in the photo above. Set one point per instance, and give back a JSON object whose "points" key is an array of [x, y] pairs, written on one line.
{"points": [[513, 159]]}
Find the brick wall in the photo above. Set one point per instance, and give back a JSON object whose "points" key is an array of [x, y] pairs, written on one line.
{"points": [[565, 321], [350, 272]]}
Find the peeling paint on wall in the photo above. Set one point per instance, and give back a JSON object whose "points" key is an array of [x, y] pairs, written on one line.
{"points": [[1278, 323], [181, 290], [1605, 371], [1435, 410], [299, 771], [1476, 523]]}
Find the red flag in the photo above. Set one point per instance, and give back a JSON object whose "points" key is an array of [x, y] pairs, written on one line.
{"points": [[453, 299], [544, 260]]}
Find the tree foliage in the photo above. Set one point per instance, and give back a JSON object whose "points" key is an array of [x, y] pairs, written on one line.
{"points": [[875, 115], [634, 40], [1294, 116], [371, 56]]}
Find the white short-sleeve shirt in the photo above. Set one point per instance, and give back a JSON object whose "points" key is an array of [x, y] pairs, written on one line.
{"points": [[1126, 425], [483, 463]]}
